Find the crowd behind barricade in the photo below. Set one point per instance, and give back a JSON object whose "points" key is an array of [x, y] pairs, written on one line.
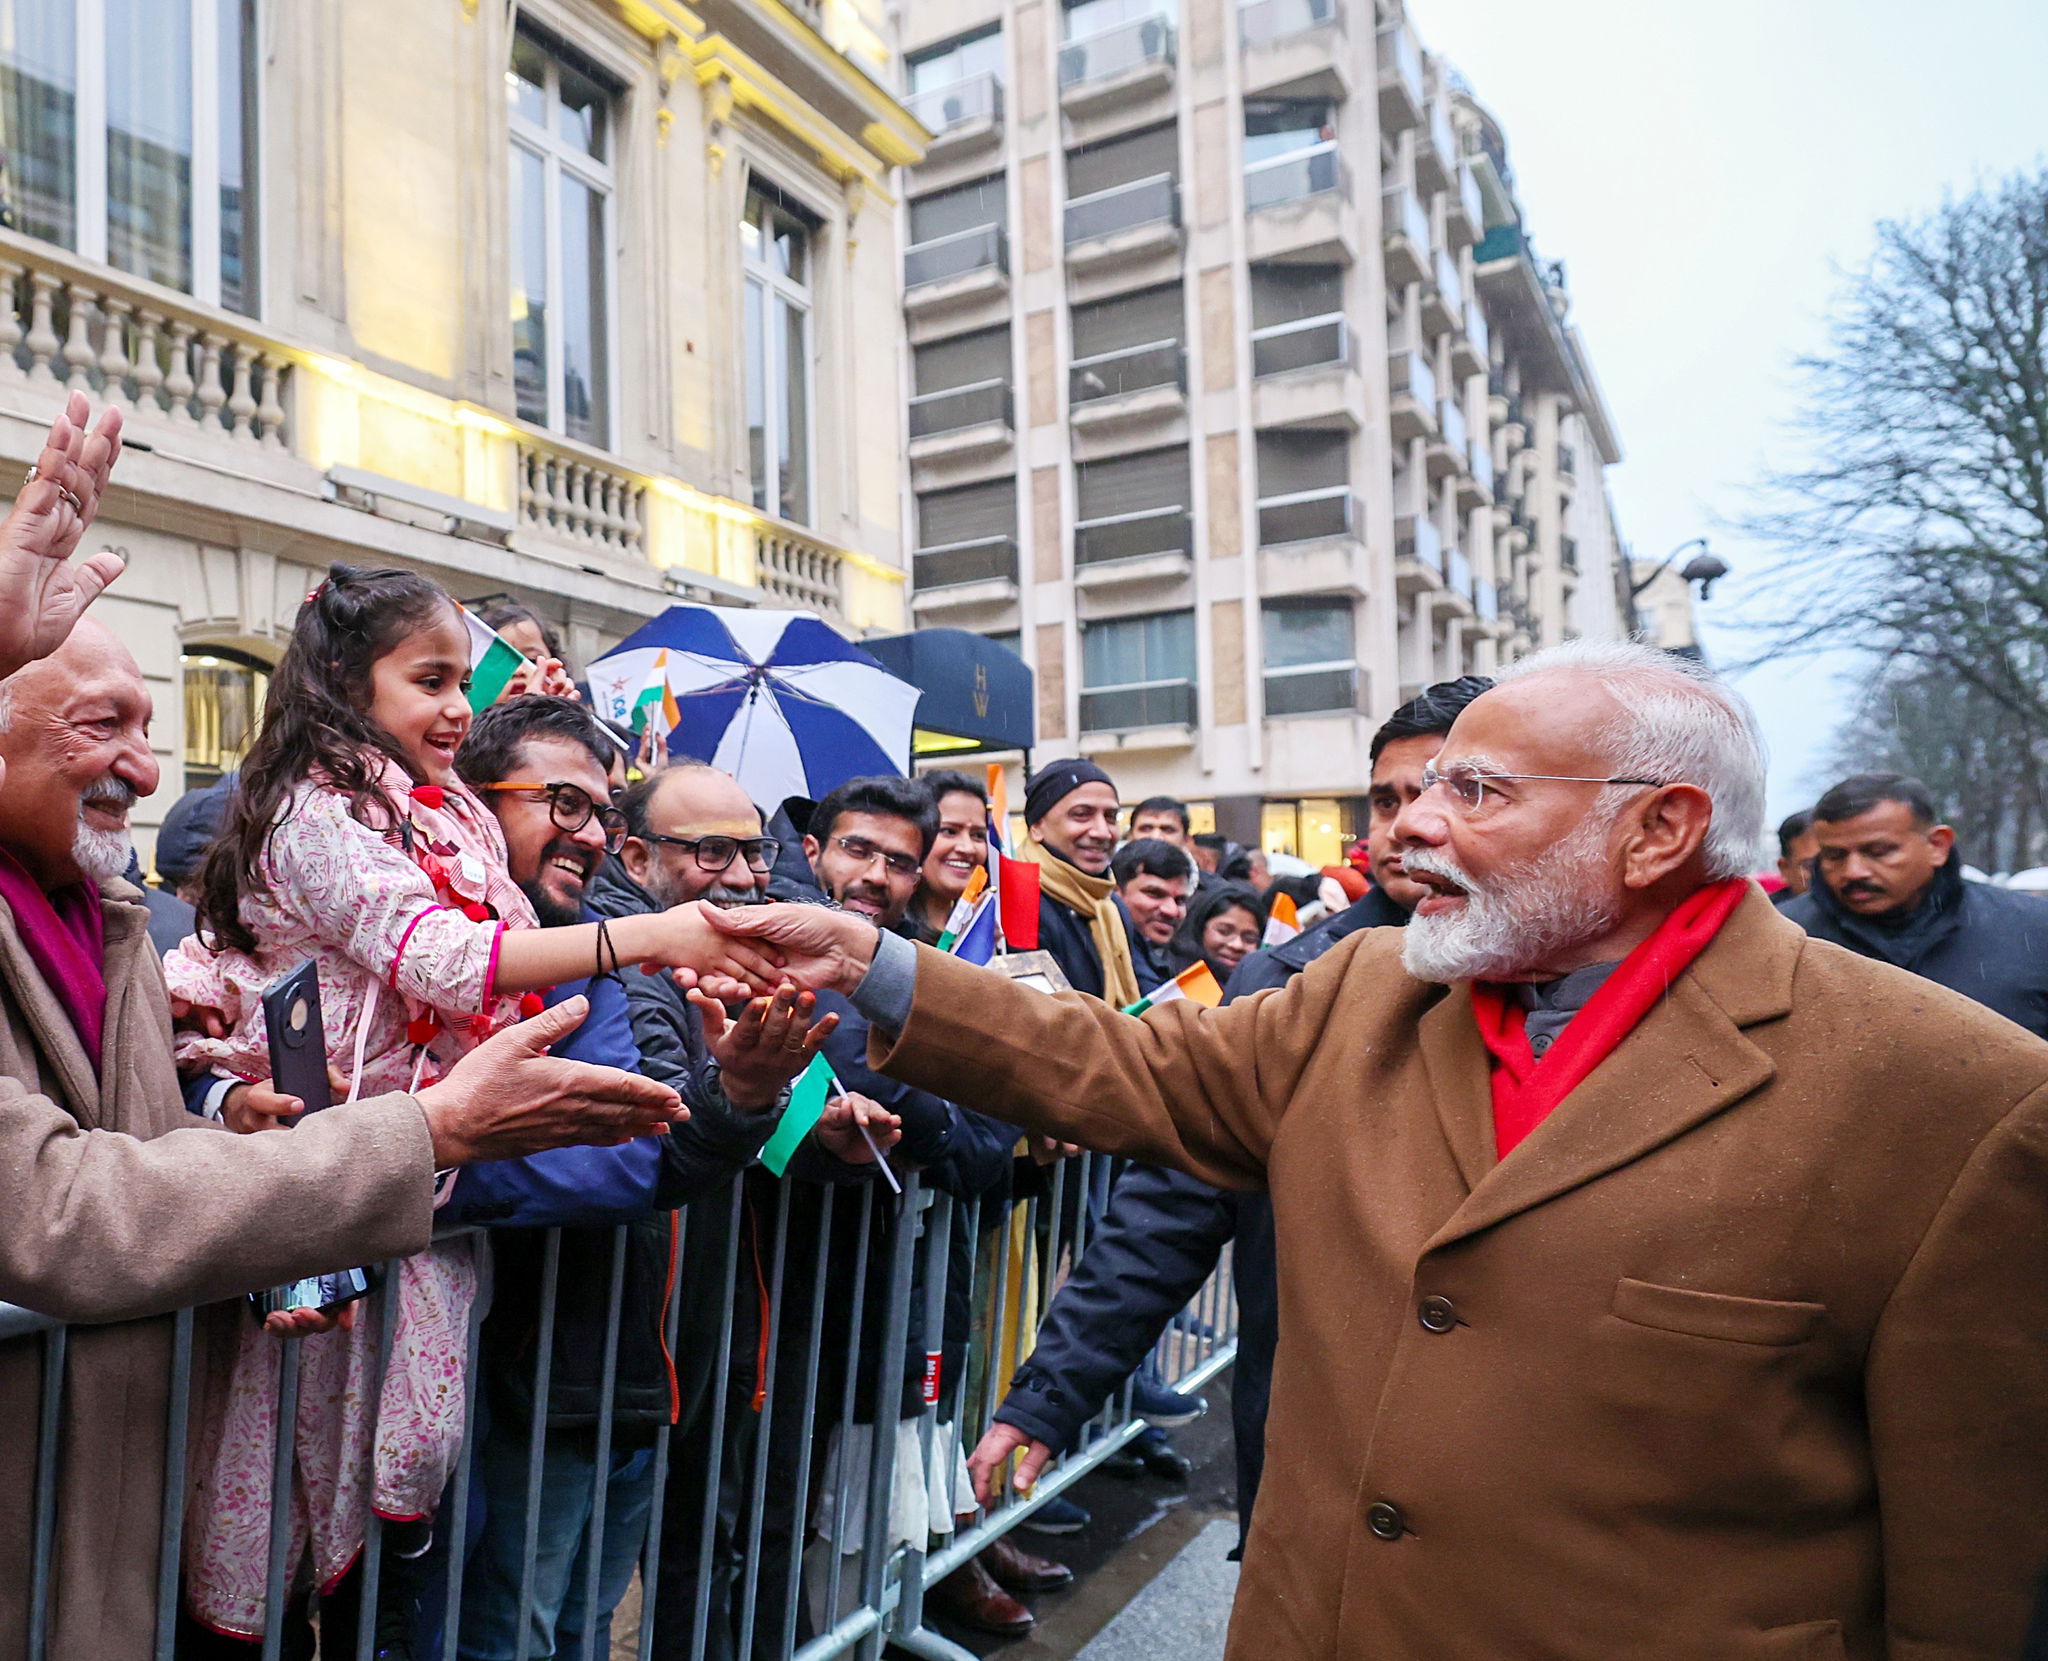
{"points": [[672, 1271]]}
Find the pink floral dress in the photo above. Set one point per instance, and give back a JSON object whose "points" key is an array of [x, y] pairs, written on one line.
{"points": [[404, 925]]}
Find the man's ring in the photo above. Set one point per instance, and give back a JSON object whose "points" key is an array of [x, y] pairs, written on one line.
{"points": [[77, 506]]}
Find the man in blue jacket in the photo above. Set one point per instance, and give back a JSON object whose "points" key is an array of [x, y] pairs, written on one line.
{"points": [[1164, 1232], [1889, 885]]}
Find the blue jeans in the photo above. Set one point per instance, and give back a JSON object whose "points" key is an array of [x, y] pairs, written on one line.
{"points": [[560, 1610]]}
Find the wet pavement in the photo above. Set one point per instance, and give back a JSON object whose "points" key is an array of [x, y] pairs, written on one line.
{"points": [[1149, 1567]]}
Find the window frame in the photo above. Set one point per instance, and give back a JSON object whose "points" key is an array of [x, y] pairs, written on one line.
{"points": [[89, 151], [802, 296], [1270, 671], [556, 156]]}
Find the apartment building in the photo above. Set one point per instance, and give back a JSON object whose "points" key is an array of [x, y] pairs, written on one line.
{"points": [[584, 302], [1238, 402]]}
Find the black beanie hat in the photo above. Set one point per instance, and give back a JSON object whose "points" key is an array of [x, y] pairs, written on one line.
{"points": [[1056, 781]]}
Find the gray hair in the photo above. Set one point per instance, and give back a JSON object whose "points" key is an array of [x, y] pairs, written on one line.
{"points": [[1681, 723]]}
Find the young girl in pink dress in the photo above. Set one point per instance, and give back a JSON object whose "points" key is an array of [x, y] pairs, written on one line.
{"points": [[352, 842]]}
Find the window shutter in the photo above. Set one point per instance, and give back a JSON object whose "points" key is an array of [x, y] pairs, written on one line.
{"points": [[963, 361], [1129, 320], [1121, 161], [967, 514], [1131, 484], [965, 207], [1290, 461], [1288, 293]]}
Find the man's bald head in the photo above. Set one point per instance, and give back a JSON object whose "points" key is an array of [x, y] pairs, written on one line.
{"points": [[74, 735], [675, 819]]}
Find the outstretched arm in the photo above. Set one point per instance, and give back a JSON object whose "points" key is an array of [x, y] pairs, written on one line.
{"points": [[41, 594], [1198, 1089]]}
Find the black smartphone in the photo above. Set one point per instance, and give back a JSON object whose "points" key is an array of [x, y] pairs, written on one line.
{"points": [[298, 1067]]}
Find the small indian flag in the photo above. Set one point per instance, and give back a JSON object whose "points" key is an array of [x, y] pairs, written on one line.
{"points": [[493, 661], [1282, 922], [655, 709], [963, 909], [1194, 983]]}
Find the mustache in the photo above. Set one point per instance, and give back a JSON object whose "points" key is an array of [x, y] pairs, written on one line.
{"points": [[1431, 863], [109, 791], [563, 848]]}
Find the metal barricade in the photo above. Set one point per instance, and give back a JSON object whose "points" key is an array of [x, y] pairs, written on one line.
{"points": [[811, 1490]]}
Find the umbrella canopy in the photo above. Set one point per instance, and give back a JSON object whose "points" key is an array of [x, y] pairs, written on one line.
{"points": [[778, 699]]}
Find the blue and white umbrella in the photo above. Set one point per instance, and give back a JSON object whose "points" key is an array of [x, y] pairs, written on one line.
{"points": [[778, 699]]}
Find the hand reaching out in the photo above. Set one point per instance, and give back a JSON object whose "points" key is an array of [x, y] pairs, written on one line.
{"points": [[766, 1048], [41, 594], [993, 1452], [818, 948], [838, 1128], [709, 959]]}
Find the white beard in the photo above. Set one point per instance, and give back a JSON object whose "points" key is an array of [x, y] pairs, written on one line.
{"points": [[1544, 906], [101, 855]]}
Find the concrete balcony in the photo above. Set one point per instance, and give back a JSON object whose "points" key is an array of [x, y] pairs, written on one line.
{"points": [[1147, 545], [1449, 451], [1472, 344], [1413, 384], [1475, 484], [1127, 64], [1133, 387], [795, 568], [1307, 516], [1126, 224], [1443, 296], [1436, 148], [956, 270], [964, 118], [1464, 211], [962, 421], [1404, 235], [1400, 78], [1295, 47], [1418, 555], [1298, 208], [1165, 706], [976, 576]]}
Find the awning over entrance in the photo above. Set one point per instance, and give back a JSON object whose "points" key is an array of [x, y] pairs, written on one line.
{"points": [[977, 695]]}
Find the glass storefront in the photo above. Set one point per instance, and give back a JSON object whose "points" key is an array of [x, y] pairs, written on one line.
{"points": [[224, 693], [1316, 828]]}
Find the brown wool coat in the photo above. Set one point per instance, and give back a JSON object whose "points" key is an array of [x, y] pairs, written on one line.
{"points": [[1743, 1353], [119, 1206]]}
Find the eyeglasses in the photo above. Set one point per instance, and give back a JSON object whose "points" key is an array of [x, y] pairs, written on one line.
{"points": [[715, 853], [570, 806], [1468, 784], [859, 849]]}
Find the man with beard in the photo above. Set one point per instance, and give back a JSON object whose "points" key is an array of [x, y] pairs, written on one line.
{"points": [[1153, 880], [1891, 887], [541, 764], [1165, 1231], [1654, 1280]]}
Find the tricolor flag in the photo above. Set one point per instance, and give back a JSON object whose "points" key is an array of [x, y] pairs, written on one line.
{"points": [[977, 941], [655, 709], [1282, 925], [1194, 983], [963, 910], [493, 661], [998, 804]]}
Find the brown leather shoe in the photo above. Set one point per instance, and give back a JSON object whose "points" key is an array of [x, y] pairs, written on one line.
{"points": [[970, 1598], [1017, 1570]]}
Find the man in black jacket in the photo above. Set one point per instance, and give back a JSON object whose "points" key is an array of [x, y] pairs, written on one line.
{"points": [[1164, 1232], [1891, 887]]}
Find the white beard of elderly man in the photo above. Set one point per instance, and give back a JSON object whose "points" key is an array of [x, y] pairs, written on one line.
{"points": [[1654, 1280], [120, 1205]]}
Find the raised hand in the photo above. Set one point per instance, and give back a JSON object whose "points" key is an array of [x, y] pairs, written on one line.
{"points": [[41, 594], [508, 1097], [766, 1048], [818, 948], [993, 1452], [839, 1129]]}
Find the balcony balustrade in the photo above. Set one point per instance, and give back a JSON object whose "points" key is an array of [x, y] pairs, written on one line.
{"points": [[1400, 78], [1315, 170], [1264, 22], [1134, 535], [983, 559], [1313, 689], [976, 101], [1128, 49], [977, 404], [1151, 201], [1404, 229], [1305, 343], [1306, 516], [1130, 369], [979, 248], [1142, 704]]}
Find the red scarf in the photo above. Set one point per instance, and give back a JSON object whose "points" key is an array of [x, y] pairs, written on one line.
{"points": [[1525, 1089], [65, 937]]}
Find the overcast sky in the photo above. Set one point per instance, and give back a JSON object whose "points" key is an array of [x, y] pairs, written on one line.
{"points": [[1706, 172]]}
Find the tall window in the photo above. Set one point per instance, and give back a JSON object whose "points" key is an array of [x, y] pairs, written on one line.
{"points": [[1311, 661], [561, 240], [127, 134], [224, 693], [775, 250], [956, 61], [1138, 672]]}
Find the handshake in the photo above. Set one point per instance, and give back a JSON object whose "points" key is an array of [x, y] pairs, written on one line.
{"points": [[509, 1098]]}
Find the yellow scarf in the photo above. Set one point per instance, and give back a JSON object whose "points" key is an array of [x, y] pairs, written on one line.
{"points": [[1089, 897]]}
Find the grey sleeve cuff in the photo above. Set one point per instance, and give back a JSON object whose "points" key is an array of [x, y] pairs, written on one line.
{"points": [[884, 993]]}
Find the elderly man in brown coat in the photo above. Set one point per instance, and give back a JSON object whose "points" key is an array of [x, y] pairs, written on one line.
{"points": [[1655, 1281], [119, 1205]]}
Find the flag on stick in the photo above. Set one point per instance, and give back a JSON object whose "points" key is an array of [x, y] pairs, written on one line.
{"points": [[655, 710], [1017, 883], [493, 661], [998, 804], [977, 941], [963, 910], [1194, 983], [1282, 922], [806, 1106]]}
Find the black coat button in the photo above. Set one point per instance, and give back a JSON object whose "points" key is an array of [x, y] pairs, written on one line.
{"points": [[1385, 1520], [1437, 1314]]}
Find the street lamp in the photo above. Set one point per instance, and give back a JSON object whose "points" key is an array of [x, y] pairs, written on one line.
{"points": [[1703, 568]]}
